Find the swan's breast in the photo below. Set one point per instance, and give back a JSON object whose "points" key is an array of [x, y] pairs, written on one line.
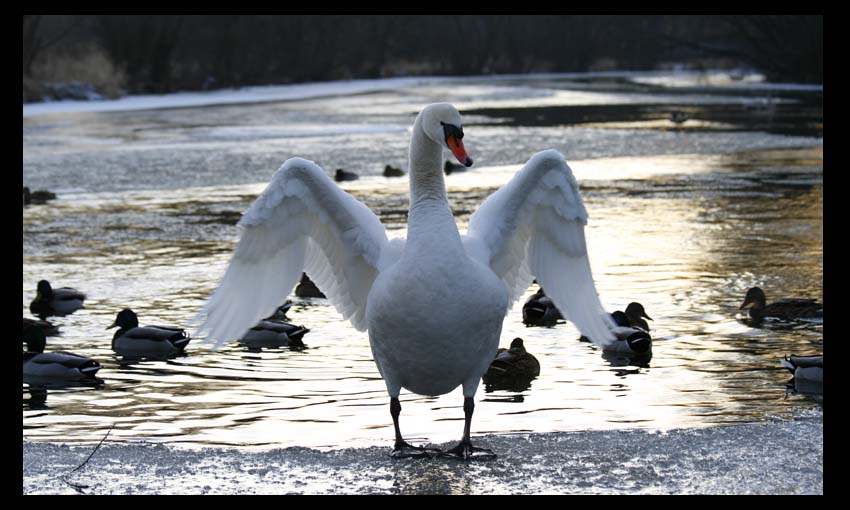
{"points": [[435, 323]]}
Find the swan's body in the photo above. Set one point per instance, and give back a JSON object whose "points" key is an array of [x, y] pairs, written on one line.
{"points": [[433, 303]]}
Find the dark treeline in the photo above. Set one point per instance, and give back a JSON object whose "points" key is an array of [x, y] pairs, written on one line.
{"points": [[163, 53]]}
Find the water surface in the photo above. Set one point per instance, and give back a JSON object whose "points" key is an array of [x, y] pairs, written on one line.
{"points": [[683, 218]]}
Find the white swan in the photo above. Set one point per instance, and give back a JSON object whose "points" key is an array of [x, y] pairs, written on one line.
{"points": [[433, 304]]}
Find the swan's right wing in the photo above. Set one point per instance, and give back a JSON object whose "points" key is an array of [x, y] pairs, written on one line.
{"points": [[534, 227], [302, 221]]}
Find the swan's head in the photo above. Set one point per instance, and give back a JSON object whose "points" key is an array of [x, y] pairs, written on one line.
{"points": [[441, 123]]}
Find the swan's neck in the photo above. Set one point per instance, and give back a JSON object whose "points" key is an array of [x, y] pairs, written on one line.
{"points": [[426, 177], [430, 219]]}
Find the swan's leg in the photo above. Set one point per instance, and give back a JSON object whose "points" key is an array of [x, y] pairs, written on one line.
{"points": [[464, 450], [402, 448]]}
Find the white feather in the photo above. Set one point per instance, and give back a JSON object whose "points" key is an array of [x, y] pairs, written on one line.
{"points": [[534, 227], [302, 222]]}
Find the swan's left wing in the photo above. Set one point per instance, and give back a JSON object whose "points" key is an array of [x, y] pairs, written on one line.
{"points": [[534, 227], [302, 221]]}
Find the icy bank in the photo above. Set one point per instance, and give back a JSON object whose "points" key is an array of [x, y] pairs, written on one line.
{"points": [[774, 457], [259, 94]]}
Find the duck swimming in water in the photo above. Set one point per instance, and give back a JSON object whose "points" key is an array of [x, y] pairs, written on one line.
{"points": [[782, 309], [48, 328], [513, 369], [54, 366], [132, 340], [805, 368], [515, 361], [540, 310], [630, 339], [49, 301], [274, 333]]}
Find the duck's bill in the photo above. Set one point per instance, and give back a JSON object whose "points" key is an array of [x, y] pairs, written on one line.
{"points": [[746, 303], [114, 325], [456, 146]]}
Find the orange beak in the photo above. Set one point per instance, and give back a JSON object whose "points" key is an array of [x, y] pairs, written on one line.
{"points": [[456, 146]]}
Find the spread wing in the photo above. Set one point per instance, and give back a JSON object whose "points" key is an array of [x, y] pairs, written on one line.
{"points": [[534, 227], [302, 222]]}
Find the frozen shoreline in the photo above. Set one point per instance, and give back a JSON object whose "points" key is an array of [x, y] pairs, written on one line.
{"points": [[316, 89], [773, 457]]}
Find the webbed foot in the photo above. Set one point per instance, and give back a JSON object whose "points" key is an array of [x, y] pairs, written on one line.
{"points": [[465, 451], [404, 450]]}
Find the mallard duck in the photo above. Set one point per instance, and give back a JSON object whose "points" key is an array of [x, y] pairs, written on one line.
{"points": [[37, 197], [805, 368], [342, 175], [49, 301], [274, 333], [782, 309], [678, 117], [280, 313], [58, 366], [48, 328], [515, 361], [635, 312], [132, 340], [306, 288], [539, 310], [391, 171], [630, 340], [512, 370]]}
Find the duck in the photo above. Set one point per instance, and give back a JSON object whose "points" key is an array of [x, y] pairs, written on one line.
{"points": [[433, 302], [342, 175], [450, 168], [37, 197], [48, 327], [306, 288], [280, 313], [540, 310], [678, 117], [274, 333], [635, 314], [133, 340], [756, 301], [805, 368], [514, 361], [49, 301], [54, 366], [631, 338], [391, 171]]}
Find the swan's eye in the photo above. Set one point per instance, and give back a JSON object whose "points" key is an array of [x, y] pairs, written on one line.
{"points": [[452, 131]]}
